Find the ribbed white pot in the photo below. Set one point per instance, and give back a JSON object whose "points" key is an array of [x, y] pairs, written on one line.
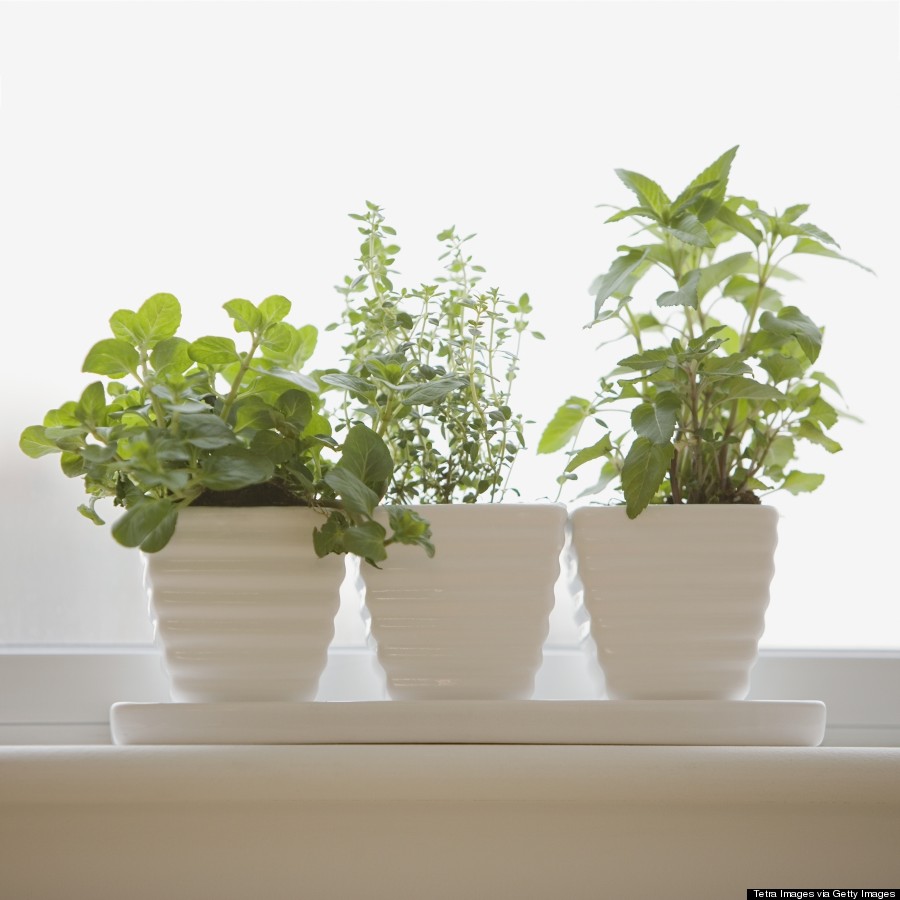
{"points": [[470, 623], [677, 596], [243, 608]]}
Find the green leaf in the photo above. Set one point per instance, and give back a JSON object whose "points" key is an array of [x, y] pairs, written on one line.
{"points": [[607, 474], [717, 272], [356, 496], [91, 407], [213, 351], [206, 431], [90, 513], [782, 368], [245, 315], [298, 379], [649, 360], [791, 322], [717, 172], [812, 433], [586, 454], [722, 366], [740, 224], [739, 388], [253, 412], [793, 213], [618, 280], [781, 451], [329, 538], [689, 230], [296, 407], [564, 425], [124, 325], [171, 355], [365, 455], [629, 213], [148, 524], [801, 482], [816, 233], [274, 446], [275, 308], [72, 464], [111, 357], [350, 383], [235, 467], [34, 442], [408, 527], [158, 318], [807, 245], [656, 421], [367, 541], [822, 378], [648, 192], [434, 391], [643, 472], [686, 295]]}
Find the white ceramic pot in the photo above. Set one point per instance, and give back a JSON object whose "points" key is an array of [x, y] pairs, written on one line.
{"points": [[243, 608], [470, 623], [677, 596]]}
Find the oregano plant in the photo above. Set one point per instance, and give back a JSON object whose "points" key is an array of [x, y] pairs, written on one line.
{"points": [[173, 423], [721, 385], [431, 369]]}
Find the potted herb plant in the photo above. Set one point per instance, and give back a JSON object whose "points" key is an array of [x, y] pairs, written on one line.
{"points": [[232, 486], [431, 370], [721, 389]]}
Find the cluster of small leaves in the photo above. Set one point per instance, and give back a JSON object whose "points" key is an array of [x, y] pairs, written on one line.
{"points": [[431, 371], [717, 402], [174, 420]]}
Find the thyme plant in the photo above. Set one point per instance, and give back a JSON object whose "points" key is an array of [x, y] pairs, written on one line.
{"points": [[175, 423], [722, 383], [431, 370]]}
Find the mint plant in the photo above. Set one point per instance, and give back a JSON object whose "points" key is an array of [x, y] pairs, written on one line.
{"points": [[431, 370], [175, 423], [721, 385]]}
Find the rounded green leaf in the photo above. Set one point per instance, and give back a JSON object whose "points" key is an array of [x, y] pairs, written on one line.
{"points": [[34, 442], [366, 455], [148, 524], [274, 308], [235, 467], [213, 351], [111, 357], [158, 318], [206, 431], [355, 495], [296, 407], [171, 355], [92, 405], [245, 315]]}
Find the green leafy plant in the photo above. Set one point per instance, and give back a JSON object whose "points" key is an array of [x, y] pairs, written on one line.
{"points": [[431, 370], [175, 423], [722, 385]]}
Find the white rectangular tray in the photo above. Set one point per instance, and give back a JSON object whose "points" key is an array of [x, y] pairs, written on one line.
{"points": [[747, 723]]}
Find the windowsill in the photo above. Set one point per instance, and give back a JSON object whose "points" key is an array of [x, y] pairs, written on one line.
{"points": [[63, 696], [440, 821]]}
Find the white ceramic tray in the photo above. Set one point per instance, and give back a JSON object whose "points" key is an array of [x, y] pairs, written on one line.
{"points": [[750, 723]]}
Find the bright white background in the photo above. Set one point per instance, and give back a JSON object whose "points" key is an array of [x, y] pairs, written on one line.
{"points": [[213, 150]]}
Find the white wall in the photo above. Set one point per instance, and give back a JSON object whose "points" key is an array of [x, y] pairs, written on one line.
{"points": [[213, 151]]}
